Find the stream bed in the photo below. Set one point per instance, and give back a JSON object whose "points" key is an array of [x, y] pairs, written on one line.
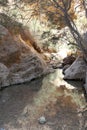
{"points": [[62, 103]]}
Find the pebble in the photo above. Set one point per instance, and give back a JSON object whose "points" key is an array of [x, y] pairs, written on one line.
{"points": [[42, 120], [3, 102], [2, 129]]}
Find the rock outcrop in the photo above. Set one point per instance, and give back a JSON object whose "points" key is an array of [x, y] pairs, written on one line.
{"points": [[85, 85], [77, 70], [19, 62]]}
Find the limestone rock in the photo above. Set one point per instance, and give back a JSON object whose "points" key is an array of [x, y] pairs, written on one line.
{"points": [[77, 70], [4, 72], [2, 129], [85, 85], [65, 67], [42, 120], [19, 62]]}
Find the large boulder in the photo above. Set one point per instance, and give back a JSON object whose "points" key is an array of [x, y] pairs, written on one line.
{"points": [[85, 85], [19, 62], [77, 70], [4, 72]]}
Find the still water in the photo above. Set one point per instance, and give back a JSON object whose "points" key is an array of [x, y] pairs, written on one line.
{"points": [[62, 103]]}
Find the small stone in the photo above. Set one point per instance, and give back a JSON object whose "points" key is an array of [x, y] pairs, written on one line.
{"points": [[42, 120], [3, 102], [2, 129]]}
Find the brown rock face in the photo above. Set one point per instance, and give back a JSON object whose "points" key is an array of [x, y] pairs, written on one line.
{"points": [[68, 60], [18, 61]]}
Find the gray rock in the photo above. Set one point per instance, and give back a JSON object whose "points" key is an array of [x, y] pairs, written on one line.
{"points": [[77, 70], [2, 129], [65, 67], [42, 120], [85, 85], [4, 72]]}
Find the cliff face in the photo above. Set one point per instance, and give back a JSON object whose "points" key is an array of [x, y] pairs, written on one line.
{"points": [[19, 62]]}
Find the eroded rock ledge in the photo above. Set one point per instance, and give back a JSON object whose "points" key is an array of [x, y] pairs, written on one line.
{"points": [[19, 62], [77, 71]]}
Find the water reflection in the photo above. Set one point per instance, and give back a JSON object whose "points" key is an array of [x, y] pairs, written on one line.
{"points": [[53, 86], [49, 96]]}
